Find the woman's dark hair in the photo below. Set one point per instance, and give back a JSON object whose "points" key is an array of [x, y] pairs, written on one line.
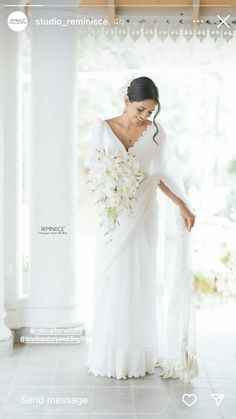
{"points": [[143, 88]]}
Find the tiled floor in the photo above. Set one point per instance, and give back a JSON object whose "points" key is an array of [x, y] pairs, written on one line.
{"points": [[60, 371]]}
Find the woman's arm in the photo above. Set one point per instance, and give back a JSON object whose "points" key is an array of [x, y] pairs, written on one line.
{"points": [[187, 215]]}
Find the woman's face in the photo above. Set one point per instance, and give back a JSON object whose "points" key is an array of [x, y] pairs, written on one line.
{"points": [[137, 112]]}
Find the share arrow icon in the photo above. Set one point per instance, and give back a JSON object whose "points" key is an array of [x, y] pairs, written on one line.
{"points": [[218, 398]]}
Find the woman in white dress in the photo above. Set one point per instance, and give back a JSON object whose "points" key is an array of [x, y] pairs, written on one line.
{"points": [[144, 295]]}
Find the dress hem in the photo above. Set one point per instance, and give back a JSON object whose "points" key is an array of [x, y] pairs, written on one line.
{"points": [[97, 374], [170, 369]]}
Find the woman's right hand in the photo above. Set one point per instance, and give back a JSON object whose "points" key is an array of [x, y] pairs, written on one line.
{"points": [[188, 216]]}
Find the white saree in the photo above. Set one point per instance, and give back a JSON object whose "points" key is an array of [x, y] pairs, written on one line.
{"points": [[144, 314]]}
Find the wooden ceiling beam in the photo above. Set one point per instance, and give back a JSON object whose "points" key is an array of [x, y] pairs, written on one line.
{"points": [[172, 3], [111, 10], [196, 11]]}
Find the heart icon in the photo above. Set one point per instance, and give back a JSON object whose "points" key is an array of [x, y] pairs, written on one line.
{"points": [[189, 399]]}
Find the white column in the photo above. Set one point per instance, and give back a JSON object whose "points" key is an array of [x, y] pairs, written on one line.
{"points": [[53, 279], [12, 185], [6, 338]]}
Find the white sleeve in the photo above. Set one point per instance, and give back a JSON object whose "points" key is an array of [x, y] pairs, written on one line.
{"points": [[166, 167], [94, 142]]}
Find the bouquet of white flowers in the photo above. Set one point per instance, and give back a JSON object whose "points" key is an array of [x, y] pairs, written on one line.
{"points": [[114, 179]]}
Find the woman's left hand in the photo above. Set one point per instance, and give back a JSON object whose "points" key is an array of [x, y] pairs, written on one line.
{"points": [[188, 216]]}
